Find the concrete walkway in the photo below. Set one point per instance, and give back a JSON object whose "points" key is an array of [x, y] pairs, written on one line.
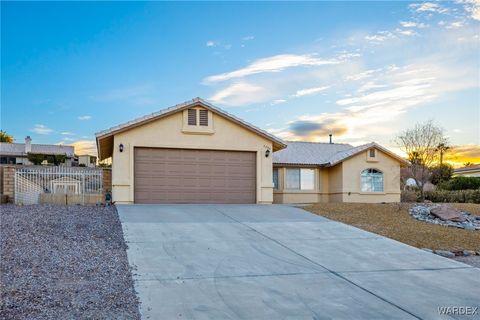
{"points": [[280, 262]]}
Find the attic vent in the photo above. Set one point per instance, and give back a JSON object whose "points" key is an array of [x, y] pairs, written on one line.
{"points": [[203, 117], [372, 153], [192, 117]]}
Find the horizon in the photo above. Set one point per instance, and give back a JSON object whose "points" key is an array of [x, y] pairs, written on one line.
{"points": [[362, 71]]}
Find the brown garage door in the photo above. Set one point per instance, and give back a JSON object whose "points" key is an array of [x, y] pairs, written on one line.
{"points": [[194, 176]]}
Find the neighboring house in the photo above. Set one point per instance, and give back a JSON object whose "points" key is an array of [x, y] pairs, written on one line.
{"points": [[87, 160], [195, 152], [308, 172], [468, 171], [17, 153]]}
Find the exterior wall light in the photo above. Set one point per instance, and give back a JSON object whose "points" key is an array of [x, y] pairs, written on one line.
{"points": [[120, 147], [267, 153]]}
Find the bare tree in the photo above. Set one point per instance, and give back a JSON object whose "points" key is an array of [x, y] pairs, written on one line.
{"points": [[421, 146]]}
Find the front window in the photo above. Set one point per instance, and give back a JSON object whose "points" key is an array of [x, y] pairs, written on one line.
{"points": [[275, 178], [300, 179], [372, 180]]}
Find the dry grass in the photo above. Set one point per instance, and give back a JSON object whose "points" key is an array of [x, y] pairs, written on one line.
{"points": [[394, 221]]}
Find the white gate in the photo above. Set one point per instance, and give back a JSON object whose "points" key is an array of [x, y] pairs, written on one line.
{"points": [[34, 184]]}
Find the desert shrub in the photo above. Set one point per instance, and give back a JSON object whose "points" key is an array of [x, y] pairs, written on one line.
{"points": [[440, 173], [460, 183], [472, 196], [409, 195]]}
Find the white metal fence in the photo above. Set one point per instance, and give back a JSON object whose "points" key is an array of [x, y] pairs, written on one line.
{"points": [[34, 184]]}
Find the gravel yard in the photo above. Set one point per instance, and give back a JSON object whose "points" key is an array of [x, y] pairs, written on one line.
{"points": [[64, 262], [393, 220]]}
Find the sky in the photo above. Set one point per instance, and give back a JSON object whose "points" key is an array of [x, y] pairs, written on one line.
{"points": [[363, 71]]}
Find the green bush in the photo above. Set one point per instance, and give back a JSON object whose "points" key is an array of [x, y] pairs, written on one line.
{"points": [[472, 196], [460, 183]]}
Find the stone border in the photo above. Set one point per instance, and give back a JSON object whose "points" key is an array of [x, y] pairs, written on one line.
{"points": [[452, 254]]}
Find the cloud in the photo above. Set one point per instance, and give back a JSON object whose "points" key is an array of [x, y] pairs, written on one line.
{"points": [[82, 118], [41, 129], [67, 133], [472, 7], [370, 86], [310, 91], [454, 25], [361, 75], [324, 127], [428, 7], [212, 43], [412, 24], [248, 38], [373, 107], [380, 36], [460, 154], [277, 101], [272, 64], [85, 147], [385, 35], [407, 33], [237, 94]]}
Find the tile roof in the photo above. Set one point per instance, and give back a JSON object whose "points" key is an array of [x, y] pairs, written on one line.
{"points": [[468, 168], [18, 149], [323, 154], [310, 153]]}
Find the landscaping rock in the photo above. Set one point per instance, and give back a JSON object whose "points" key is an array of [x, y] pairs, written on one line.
{"points": [[445, 215], [445, 253], [467, 253], [427, 250], [446, 212], [64, 262]]}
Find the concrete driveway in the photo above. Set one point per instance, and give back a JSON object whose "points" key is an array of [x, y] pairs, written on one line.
{"points": [[281, 262]]}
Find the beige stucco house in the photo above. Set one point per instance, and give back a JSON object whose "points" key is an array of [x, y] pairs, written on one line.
{"points": [[307, 172], [195, 152]]}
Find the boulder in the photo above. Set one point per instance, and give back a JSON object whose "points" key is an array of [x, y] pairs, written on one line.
{"points": [[446, 212], [444, 253]]}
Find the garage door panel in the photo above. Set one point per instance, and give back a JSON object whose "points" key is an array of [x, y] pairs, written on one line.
{"points": [[194, 176]]}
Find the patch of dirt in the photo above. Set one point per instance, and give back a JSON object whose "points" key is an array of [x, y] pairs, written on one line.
{"points": [[392, 220], [64, 262]]}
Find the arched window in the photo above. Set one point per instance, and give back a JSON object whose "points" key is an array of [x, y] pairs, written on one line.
{"points": [[372, 180]]}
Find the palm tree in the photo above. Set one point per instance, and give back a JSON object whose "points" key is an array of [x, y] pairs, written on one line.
{"points": [[5, 137], [442, 148]]}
